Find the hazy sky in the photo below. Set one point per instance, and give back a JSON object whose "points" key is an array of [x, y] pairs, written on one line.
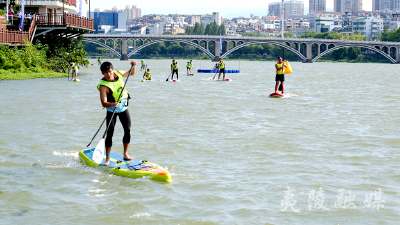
{"points": [[227, 8]]}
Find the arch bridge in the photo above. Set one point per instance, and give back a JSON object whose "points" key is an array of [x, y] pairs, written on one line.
{"points": [[307, 49]]}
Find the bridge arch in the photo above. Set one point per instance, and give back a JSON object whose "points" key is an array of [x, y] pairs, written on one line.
{"points": [[360, 46], [283, 45], [189, 42], [104, 46]]}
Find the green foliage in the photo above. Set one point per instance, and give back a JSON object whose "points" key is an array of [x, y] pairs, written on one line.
{"points": [[222, 29], [1, 12], [167, 32], [29, 56], [189, 30], [17, 8], [61, 52], [393, 35], [254, 35], [198, 29]]}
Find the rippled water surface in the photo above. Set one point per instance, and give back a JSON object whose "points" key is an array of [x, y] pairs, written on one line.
{"points": [[232, 151]]}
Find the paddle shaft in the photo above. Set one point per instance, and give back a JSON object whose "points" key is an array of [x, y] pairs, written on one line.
{"points": [[120, 95], [168, 76]]}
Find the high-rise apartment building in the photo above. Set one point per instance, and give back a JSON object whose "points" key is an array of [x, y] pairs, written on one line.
{"points": [[317, 5], [379, 5], [292, 8], [133, 12], [347, 5]]}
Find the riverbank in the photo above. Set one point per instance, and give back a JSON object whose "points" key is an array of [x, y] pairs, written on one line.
{"points": [[29, 74]]}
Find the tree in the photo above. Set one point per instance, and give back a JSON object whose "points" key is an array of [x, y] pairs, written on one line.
{"points": [[207, 31], [222, 29], [189, 30], [352, 53], [167, 33], [339, 54], [196, 29], [201, 30]]}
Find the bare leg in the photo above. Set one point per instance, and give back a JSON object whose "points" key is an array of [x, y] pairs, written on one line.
{"points": [[224, 75], [282, 86], [219, 75], [276, 86], [107, 162], [126, 156]]}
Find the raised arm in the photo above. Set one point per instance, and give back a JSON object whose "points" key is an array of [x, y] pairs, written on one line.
{"points": [[126, 73]]}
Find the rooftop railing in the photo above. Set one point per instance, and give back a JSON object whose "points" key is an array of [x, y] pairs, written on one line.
{"points": [[15, 37], [51, 19]]}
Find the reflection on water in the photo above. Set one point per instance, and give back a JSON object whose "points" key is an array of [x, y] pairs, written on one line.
{"points": [[329, 154]]}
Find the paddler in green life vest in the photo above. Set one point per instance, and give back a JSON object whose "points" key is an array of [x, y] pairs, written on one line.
{"points": [[110, 87], [221, 65], [143, 65], [147, 74], [189, 67], [99, 60], [74, 68], [174, 69], [280, 77]]}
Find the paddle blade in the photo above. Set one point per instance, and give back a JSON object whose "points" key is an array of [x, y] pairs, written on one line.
{"points": [[98, 153], [280, 87]]}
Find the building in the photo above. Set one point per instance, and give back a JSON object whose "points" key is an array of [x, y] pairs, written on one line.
{"points": [[272, 20], [54, 7], [157, 28], [317, 5], [111, 18], [206, 19], [192, 20], [381, 5], [369, 26], [325, 24], [347, 5], [217, 17], [138, 30], [292, 8], [312, 16], [132, 12]]}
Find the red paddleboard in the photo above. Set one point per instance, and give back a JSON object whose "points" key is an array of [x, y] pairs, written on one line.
{"points": [[224, 80], [176, 81], [276, 95]]}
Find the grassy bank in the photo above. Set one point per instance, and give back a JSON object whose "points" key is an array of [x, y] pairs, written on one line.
{"points": [[22, 74]]}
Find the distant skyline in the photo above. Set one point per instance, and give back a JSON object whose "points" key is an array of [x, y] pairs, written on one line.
{"points": [[233, 9]]}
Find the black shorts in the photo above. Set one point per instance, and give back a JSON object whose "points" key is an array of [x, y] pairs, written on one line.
{"points": [[188, 68], [280, 77], [222, 70]]}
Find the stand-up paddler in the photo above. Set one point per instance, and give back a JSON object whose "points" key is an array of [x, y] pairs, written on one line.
{"points": [[110, 87], [221, 65], [174, 69], [280, 76], [189, 67]]}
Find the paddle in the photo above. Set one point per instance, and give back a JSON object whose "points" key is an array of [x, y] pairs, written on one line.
{"points": [[98, 153], [168, 76], [144, 71]]}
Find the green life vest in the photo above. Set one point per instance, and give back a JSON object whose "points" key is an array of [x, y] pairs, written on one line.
{"points": [[189, 65], [115, 87], [147, 75], [279, 70], [221, 64], [142, 63], [74, 67], [174, 66], [99, 60]]}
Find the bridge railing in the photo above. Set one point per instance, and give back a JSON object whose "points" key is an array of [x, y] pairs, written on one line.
{"points": [[51, 19], [237, 38]]}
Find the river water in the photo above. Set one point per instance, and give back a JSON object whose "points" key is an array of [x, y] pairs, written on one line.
{"points": [[327, 155]]}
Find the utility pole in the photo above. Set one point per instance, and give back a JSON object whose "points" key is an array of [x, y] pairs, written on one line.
{"points": [[283, 17]]}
